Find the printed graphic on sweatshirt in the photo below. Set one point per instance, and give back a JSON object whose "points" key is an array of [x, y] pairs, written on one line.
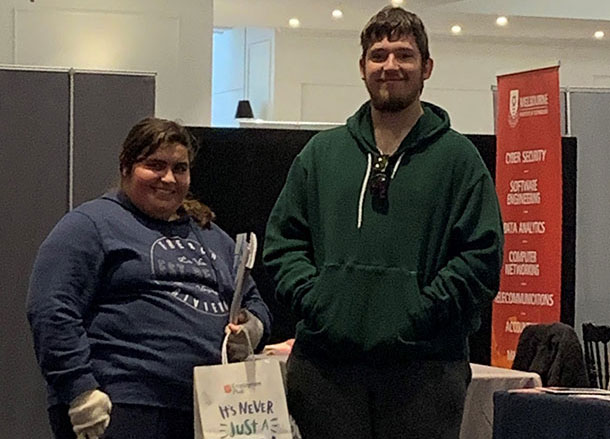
{"points": [[178, 258]]}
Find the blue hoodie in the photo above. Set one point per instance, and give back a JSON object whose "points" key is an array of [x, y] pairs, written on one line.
{"points": [[130, 304]]}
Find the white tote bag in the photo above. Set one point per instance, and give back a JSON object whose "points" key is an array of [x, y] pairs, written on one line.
{"points": [[241, 400]]}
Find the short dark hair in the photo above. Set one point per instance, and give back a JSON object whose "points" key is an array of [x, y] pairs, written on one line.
{"points": [[146, 136], [394, 23]]}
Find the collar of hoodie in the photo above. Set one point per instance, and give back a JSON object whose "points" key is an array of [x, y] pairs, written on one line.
{"points": [[365, 182], [433, 123]]}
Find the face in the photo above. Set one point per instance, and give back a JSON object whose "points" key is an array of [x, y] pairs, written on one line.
{"points": [[158, 184], [394, 73]]}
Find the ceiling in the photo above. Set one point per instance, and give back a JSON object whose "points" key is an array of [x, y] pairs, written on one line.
{"points": [[539, 19]]}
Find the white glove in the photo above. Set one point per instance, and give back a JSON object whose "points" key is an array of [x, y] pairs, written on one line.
{"points": [[244, 337], [90, 414]]}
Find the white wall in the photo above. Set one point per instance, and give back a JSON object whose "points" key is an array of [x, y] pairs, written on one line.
{"points": [[317, 76], [243, 68], [465, 71], [228, 75], [260, 61], [173, 39]]}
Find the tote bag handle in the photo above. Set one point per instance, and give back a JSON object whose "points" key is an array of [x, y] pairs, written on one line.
{"points": [[223, 351]]}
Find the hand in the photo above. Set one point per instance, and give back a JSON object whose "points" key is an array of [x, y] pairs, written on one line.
{"points": [[90, 414], [244, 336]]}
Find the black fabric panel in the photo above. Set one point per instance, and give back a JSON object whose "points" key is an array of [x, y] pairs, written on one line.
{"points": [[239, 172], [34, 155], [568, 231], [106, 106], [480, 341]]}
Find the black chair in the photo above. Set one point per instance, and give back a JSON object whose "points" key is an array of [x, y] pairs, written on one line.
{"points": [[596, 339]]}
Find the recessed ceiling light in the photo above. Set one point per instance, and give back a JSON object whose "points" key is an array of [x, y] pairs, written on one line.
{"points": [[294, 22], [337, 14], [599, 34], [502, 21], [397, 3], [456, 29]]}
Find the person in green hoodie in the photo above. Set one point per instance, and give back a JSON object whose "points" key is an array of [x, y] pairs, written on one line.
{"points": [[386, 242]]}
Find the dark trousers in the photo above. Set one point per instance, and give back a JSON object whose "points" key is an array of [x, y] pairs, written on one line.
{"points": [[417, 400], [129, 421]]}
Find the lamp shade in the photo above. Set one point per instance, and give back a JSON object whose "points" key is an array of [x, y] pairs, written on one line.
{"points": [[244, 110]]}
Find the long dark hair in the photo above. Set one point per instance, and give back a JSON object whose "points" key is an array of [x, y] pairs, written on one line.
{"points": [[148, 135]]}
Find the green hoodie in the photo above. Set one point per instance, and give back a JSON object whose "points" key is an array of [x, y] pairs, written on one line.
{"points": [[404, 282]]}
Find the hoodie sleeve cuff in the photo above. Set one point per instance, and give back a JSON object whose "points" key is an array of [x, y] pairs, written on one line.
{"points": [[78, 386]]}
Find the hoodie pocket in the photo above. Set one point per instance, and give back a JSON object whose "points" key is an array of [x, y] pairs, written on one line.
{"points": [[367, 306]]}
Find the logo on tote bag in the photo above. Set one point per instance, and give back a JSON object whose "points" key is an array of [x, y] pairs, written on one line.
{"points": [[240, 387]]}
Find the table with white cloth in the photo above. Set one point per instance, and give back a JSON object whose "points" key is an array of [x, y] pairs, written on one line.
{"points": [[477, 422]]}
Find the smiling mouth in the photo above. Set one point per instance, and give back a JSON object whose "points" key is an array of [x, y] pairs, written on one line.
{"points": [[164, 190]]}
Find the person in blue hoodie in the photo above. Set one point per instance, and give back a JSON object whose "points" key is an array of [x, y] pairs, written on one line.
{"points": [[386, 242], [132, 290]]}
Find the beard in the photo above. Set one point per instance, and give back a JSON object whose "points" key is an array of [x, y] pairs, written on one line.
{"points": [[385, 103], [392, 102]]}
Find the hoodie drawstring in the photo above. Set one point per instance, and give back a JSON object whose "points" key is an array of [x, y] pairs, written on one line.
{"points": [[365, 182], [396, 166]]}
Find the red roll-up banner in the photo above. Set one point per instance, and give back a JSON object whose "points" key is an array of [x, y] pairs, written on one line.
{"points": [[529, 186]]}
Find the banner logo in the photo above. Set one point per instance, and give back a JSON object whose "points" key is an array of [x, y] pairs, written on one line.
{"points": [[513, 119], [526, 106]]}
